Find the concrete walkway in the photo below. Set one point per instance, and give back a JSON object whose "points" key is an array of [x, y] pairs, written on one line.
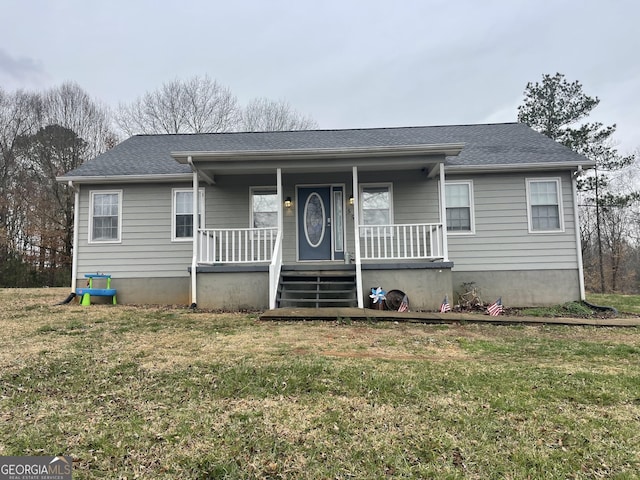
{"points": [[365, 314]]}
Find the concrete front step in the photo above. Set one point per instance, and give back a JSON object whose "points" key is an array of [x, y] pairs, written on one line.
{"points": [[316, 288]]}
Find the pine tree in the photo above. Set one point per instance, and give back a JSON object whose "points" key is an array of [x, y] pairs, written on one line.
{"points": [[555, 107]]}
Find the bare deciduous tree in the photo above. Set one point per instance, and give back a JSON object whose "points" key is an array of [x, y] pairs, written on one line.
{"points": [[45, 155], [43, 135], [218, 113], [263, 115], [199, 105], [69, 106], [18, 116]]}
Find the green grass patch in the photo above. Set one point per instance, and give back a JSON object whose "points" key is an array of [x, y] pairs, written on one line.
{"points": [[168, 393], [623, 303], [570, 309], [46, 329]]}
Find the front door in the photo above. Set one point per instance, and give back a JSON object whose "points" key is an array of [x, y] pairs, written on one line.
{"points": [[315, 229]]}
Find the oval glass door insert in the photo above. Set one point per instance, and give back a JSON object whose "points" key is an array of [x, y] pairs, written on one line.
{"points": [[314, 220]]}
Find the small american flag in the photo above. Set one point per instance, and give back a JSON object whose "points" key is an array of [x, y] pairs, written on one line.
{"points": [[404, 305], [495, 308], [445, 307]]}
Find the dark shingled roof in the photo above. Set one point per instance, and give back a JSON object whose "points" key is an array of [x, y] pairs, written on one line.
{"points": [[485, 145]]}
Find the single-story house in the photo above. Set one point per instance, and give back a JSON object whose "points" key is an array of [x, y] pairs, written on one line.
{"points": [[317, 218]]}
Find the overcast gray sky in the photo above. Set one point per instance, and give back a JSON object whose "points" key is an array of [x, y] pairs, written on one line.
{"points": [[346, 63]]}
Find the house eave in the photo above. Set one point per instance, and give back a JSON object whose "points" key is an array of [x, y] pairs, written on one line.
{"points": [[99, 179], [448, 149], [501, 168]]}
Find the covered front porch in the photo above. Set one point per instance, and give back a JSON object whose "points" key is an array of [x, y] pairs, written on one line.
{"points": [[334, 217], [382, 250]]}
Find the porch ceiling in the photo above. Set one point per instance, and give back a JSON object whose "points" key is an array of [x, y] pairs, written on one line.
{"points": [[318, 165], [410, 157]]}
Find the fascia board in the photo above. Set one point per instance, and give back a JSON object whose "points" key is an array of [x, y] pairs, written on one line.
{"points": [[501, 168], [317, 164], [95, 179]]}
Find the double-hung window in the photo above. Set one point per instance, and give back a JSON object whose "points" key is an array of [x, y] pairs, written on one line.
{"points": [[544, 204], [376, 207], [459, 202], [105, 213], [182, 228], [264, 207]]}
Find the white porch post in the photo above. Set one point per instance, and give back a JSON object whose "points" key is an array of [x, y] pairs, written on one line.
{"points": [[443, 215], [576, 223], [276, 261], [196, 234], [280, 201], [356, 229]]}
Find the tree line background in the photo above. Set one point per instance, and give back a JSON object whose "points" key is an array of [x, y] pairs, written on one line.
{"points": [[45, 134], [608, 196]]}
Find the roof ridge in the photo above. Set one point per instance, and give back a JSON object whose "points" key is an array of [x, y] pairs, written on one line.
{"points": [[486, 146], [361, 129]]}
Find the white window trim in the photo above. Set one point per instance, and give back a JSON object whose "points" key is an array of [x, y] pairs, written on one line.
{"points": [[560, 207], [362, 186], [174, 191], [472, 216], [252, 191], [92, 194]]}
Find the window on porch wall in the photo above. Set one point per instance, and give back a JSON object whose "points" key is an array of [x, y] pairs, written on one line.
{"points": [[264, 208], [378, 239], [375, 204]]}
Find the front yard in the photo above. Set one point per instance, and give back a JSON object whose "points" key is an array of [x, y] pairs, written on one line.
{"points": [[160, 392]]}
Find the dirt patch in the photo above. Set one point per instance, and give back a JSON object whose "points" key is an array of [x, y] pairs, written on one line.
{"points": [[381, 355]]}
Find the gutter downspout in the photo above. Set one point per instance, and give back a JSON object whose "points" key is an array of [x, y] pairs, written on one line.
{"points": [[76, 236], [356, 227], [443, 215], [196, 228], [576, 221]]}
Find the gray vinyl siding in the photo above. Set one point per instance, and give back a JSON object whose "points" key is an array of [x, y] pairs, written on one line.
{"points": [[227, 201], [415, 197], [502, 240], [145, 249]]}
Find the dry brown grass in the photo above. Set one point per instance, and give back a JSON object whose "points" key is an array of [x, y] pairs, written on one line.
{"points": [[26, 310], [163, 392]]}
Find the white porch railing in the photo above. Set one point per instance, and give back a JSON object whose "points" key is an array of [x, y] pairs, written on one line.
{"points": [[377, 242], [401, 241], [236, 245]]}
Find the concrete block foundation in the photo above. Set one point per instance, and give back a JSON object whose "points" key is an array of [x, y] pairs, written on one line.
{"points": [[525, 288]]}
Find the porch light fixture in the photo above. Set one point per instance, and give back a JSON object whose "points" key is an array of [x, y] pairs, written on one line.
{"points": [[351, 200], [287, 202]]}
